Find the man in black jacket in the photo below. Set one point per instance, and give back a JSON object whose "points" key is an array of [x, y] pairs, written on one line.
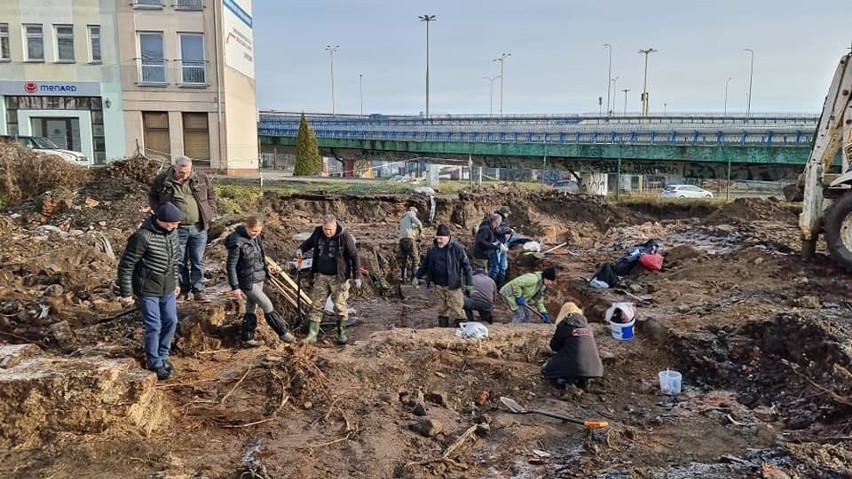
{"points": [[486, 242], [149, 270], [193, 193], [247, 273], [445, 266], [499, 259], [334, 262]]}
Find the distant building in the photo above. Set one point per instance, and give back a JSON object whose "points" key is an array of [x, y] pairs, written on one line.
{"points": [[110, 77]]}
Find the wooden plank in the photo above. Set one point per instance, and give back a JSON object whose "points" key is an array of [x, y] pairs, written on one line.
{"points": [[289, 281]]}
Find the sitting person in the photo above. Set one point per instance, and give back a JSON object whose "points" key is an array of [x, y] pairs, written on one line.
{"points": [[576, 359]]}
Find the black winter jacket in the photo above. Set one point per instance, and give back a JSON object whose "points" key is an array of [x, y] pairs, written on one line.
{"points": [[202, 190], [149, 265], [245, 264], [576, 351], [485, 241], [457, 265], [348, 263]]}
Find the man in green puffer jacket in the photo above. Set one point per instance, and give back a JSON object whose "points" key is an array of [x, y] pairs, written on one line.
{"points": [[525, 290]]}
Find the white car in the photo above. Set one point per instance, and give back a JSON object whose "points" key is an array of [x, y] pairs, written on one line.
{"points": [[46, 145], [684, 191]]}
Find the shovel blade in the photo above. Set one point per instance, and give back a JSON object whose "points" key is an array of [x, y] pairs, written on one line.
{"points": [[512, 405]]}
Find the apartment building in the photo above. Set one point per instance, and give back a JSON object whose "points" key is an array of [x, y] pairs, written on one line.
{"points": [[187, 80], [59, 75]]}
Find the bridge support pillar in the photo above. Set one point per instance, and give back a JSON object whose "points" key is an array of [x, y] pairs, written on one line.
{"points": [[432, 175], [595, 183]]}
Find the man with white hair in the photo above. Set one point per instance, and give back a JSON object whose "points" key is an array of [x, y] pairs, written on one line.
{"points": [[193, 193], [410, 229]]}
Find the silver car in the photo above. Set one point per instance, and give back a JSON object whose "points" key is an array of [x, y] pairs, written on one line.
{"points": [[684, 191]]}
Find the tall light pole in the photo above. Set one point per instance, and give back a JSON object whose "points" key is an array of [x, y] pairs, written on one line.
{"points": [[428, 19], [625, 100], [331, 50], [750, 78], [361, 92], [727, 82], [609, 76], [501, 59], [614, 92], [646, 52], [491, 95]]}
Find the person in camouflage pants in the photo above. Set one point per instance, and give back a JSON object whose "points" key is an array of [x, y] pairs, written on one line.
{"points": [[410, 229]]}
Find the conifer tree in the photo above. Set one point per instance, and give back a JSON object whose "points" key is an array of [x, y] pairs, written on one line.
{"points": [[308, 158]]}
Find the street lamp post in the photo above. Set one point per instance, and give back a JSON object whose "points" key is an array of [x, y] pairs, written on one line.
{"points": [[609, 76], [625, 100], [614, 91], [428, 19], [750, 78], [727, 82], [501, 59], [361, 92], [645, 82], [491, 94], [331, 51]]}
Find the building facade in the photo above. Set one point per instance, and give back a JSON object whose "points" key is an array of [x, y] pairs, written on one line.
{"points": [[187, 79], [59, 75], [111, 78]]}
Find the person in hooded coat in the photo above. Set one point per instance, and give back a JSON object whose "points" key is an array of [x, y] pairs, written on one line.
{"points": [[247, 273], [576, 359]]}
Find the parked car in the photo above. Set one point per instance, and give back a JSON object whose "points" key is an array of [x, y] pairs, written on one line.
{"points": [[567, 186], [46, 145], [685, 191]]}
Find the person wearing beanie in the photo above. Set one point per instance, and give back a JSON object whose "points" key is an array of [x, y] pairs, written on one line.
{"points": [[410, 229], [192, 192], [247, 273], [149, 270], [447, 267], [498, 259], [526, 291], [576, 359], [485, 242]]}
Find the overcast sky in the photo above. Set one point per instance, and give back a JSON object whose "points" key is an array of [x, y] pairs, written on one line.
{"points": [[558, 61]]}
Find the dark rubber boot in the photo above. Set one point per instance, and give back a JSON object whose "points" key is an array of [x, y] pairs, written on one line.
{"points": [[443, 321], [341, 332], [248, 328], [313, 331]]}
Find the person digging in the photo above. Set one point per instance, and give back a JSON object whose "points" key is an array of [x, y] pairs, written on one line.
{"points": [[247, 274], [447, 267], [525, 289], [576, 359]]}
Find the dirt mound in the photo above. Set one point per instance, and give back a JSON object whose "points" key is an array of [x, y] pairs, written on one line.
{"points": [[25, 174], [744, 210], [138, 168]]}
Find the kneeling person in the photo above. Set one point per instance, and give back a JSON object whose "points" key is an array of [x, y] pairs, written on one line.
{"points": [[247, 273], [481, 299], [576, 359]]}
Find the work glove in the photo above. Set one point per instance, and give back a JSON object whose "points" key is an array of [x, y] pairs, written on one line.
{"points": [[521, 300], [545, 317], [503, 247], [468, 289], [415, 282], [357, 284]]}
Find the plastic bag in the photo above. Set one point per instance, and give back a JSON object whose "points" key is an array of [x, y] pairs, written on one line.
{"points": [[533, 246], [472, 330], [622, 312], [652, 261]]}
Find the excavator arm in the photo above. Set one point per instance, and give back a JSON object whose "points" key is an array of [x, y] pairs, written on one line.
{"points": [[834, 129]]}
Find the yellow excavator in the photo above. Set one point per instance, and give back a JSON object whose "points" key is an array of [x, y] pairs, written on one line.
{"points": [[826, 195]]}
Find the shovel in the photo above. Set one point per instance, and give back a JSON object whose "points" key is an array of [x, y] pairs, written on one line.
{"points": [[517, 409]]}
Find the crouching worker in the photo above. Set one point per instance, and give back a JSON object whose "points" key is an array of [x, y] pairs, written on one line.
{"points": [[576, 359], [149, 270], [481, 299], [525, 289], [247, 273]]}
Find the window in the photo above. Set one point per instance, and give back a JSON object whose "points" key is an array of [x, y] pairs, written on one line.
{"points": [[35, 42], [95, 43], [5, 51], [155, 130], [152, 67], [193, 66], [196, 136], [189, 4], [64, 43], [148, 3]]}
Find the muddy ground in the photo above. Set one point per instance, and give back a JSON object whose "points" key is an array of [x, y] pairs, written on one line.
{"points": [[761, 338]]}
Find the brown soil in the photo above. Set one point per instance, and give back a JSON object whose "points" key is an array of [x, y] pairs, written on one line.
{"points": [[760, 337]]}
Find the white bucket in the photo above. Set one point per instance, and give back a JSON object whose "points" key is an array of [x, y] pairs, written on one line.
{"points": [[670, 382], [622, 331]]}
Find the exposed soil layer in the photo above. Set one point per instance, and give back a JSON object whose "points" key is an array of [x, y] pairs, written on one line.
{"points": [[760, 338]]}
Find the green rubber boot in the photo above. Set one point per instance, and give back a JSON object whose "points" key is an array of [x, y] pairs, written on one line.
{"points": [[341, 332], [313, 331]]}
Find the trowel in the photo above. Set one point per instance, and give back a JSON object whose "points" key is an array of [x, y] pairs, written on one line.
{"points": [[517, 409]]}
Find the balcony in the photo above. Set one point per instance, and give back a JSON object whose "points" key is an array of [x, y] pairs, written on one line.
{"points": [[193, 73], [151, 72], [189, 4]]}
